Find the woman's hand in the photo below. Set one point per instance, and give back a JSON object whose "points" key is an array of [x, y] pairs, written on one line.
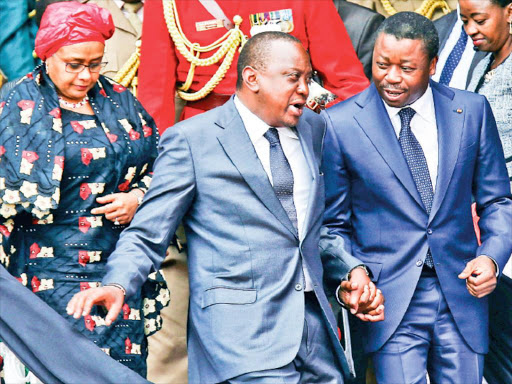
{"points": [[119, 207]]}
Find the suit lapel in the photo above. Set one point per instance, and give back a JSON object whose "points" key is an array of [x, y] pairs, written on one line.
{"points": [[238, 147], [383, 137], [304, 131], [450, 121]]}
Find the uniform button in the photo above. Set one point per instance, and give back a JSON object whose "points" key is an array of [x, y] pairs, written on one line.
{"points": [[298, 287], [419, 263], [429, 231]]}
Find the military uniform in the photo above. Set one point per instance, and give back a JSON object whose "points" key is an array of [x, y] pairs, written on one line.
{"points": [[406, 5], [122, 44], [315, 23]]}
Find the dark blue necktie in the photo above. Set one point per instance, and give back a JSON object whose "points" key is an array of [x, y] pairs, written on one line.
{"points": [[417, 163], [454, 59], [282, 176]]}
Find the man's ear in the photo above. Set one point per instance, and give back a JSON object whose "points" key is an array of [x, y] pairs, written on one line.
{"points": [[509, 15], [250, 76], [432, 66]]}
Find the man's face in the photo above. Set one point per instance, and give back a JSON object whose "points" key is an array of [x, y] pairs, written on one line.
{"points": [[401, 69], [282, 86]]}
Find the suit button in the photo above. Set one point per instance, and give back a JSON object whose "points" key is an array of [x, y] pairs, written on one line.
{"points": [[419, 263], [429, 231], [298, 287]]}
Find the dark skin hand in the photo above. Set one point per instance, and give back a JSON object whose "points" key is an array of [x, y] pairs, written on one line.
{"points": [[108, 296]]}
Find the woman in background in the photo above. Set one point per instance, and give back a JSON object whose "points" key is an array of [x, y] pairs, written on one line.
{"points": [[489, 24], [76, 151]]}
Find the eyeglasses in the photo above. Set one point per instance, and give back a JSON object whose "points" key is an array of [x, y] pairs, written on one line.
{"points": [[77, 67]]}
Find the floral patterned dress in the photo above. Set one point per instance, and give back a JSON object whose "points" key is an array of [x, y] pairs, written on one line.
{"points": [[59, 249]]}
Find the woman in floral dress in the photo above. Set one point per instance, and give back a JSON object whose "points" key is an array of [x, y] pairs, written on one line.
{"points": [[76, 152]]}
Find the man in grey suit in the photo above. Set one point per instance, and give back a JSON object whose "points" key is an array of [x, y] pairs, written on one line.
{"points": [[246, 180]]}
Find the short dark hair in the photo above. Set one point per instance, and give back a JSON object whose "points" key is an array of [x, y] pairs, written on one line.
{"points": [[255, 52], [501, 3], [411, 25]]}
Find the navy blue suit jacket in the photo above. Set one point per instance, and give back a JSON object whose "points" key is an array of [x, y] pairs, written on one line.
{"points": [[373, 204]]}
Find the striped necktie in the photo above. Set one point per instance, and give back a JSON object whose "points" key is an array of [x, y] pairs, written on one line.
{"points": [[454, 59]]}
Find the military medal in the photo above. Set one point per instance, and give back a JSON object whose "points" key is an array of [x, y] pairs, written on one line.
{"points": [[281, 20], [209, 24]]}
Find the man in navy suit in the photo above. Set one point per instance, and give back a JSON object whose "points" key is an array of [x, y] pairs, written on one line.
{"points": [[403, 162], [245, 178]]}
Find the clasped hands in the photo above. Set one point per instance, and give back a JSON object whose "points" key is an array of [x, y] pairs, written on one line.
{"points": [[362, 297]]}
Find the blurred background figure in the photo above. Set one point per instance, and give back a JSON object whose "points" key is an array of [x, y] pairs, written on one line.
{"points": [[432, 9], [489, 25], [17, 37], [51, 347], [76, 152], [361, 24]]}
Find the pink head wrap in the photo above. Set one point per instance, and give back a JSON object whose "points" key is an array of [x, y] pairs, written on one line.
{"points": [[69, 23]]}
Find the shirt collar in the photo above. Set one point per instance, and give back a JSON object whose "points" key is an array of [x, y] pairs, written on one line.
{"points": [[424, 107], [256, 127], [120, 3]]}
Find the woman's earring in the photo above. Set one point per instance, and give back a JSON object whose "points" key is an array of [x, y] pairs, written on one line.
{"points": [[46, 67], [510, 29]]}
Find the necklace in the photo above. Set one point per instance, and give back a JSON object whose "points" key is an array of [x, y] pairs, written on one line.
{"points": [[489, 75], [80, 104]]}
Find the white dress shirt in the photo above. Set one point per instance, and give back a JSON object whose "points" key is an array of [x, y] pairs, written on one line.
{"points": [[424, 128], [292, 149], [460, 75]]}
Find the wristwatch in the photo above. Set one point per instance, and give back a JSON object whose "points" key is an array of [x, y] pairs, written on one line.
{"points": [[139, 198]]}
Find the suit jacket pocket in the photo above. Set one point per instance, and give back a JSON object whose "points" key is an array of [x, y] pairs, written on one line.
{"points": [[227, 295]]}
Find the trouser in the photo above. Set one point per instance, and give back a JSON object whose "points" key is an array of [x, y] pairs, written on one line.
{"points": [[428, 340], [315, 362]]}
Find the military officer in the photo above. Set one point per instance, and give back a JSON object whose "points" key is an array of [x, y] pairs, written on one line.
{"points": [[167, 38]]}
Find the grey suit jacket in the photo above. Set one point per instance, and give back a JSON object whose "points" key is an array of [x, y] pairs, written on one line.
{"points": [[361, 24], [444, 27], [245, 260]]}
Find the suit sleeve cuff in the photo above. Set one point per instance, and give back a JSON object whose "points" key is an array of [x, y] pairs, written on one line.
{"points": [[495, 264], [338, 297]]}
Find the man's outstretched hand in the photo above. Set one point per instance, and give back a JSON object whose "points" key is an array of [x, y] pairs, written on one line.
{"points": [[362, 297], [108, 296]]}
